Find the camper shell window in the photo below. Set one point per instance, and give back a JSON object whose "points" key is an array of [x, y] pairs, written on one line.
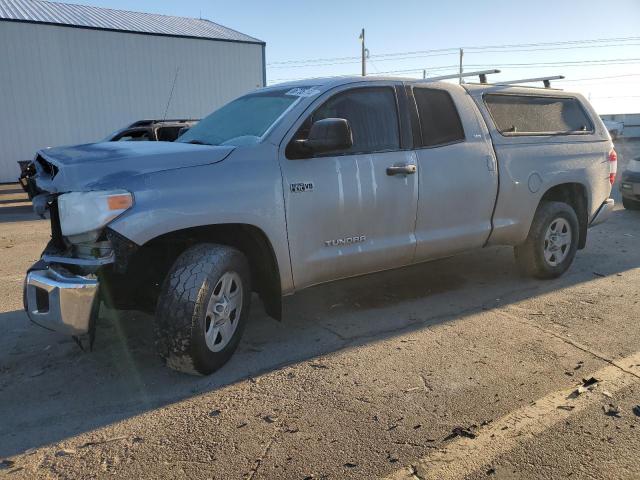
{"points": [[537, 115]]}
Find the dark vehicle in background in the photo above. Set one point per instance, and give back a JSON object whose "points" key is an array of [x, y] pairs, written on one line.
{"points": [[152, 131], [27, 171], [630, 185], [140, 131]]}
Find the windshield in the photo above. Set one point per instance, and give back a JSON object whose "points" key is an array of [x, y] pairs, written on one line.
{"points": [[242, 121]]}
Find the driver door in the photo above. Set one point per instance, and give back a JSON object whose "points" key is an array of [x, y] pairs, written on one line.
{"points": [[346, 214]]}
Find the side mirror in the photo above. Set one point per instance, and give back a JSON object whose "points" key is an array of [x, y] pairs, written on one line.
{"points": [[327, 135]]}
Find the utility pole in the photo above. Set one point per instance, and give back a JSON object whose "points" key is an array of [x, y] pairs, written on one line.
{"points": [[364, 57], [424, 74], [461, 55]]}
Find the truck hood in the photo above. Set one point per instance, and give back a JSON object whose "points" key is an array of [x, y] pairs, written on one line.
{"points": [[90, 166]]}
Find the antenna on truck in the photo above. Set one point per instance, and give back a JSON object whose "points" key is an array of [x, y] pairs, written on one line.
{"points": [[482, 74], [545, 80], [173, 86]]}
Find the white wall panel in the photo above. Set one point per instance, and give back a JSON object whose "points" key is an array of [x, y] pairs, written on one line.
{"points": [[62, 85]]}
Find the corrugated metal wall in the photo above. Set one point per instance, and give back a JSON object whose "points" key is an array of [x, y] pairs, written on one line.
{"points": [[62, 85]]}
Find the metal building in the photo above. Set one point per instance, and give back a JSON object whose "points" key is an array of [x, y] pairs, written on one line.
{"points": [[72, 73]]}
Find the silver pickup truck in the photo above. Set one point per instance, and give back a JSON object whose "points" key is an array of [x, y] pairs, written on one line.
{"points": [[304, 183]]}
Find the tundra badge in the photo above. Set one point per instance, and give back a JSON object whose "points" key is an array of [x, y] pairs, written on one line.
{"points": [[345, 241]]}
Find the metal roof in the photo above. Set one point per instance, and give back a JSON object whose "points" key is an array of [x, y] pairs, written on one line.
{"points": [[84, 16]]}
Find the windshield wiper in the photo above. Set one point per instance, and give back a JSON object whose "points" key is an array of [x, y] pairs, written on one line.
{"points": [[198, 142]]}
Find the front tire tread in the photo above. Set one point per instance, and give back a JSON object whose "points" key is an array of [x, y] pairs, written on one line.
{"points": [[182, 307]]}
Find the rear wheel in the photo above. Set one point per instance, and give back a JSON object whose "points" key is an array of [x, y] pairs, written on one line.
{"points": [[552, 242], [630, 204], [203, 308]]}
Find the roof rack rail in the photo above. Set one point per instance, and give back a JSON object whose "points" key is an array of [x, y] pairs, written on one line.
{"points": [[482, 74], [545, 80]]}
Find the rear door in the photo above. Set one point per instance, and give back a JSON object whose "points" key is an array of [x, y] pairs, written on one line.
{"points": [[457, 172], [345, 215]]}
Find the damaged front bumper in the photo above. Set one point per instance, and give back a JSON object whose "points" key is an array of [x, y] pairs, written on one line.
{"points": [[59, 300]]}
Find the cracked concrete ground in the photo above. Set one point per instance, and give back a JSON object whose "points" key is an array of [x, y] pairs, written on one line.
{"points": [[364, 378]]}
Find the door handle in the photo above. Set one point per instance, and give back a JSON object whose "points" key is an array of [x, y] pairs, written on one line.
{"points": [[405, 169]]}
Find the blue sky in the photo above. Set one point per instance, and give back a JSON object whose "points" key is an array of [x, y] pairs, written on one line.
{"points": [[329, 29]]}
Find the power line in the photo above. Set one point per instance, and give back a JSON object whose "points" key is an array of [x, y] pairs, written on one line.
{"points": [[286, 62], [389, 58], [569, 42], [331, 59], [563, 63], [619, 61], [541, 66], [558, 48], [357, 60], [445, 67], [471, 49], [425, 56], [600, 78]]}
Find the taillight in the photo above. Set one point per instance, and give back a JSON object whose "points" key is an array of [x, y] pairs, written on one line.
{"points": [[613, 165]]}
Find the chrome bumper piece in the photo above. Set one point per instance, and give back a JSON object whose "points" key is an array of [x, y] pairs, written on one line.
{"points": [[60, 301], [603, 212]]}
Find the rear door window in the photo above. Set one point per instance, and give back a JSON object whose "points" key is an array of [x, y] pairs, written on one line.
{"points": [[537, 115], [439, 119]]}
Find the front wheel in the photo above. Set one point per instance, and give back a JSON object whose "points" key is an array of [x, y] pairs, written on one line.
{"points": [[203, 308], [552, 241]]}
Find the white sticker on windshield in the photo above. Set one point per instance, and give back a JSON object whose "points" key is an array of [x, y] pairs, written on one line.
{"points": [[303, 92]]}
